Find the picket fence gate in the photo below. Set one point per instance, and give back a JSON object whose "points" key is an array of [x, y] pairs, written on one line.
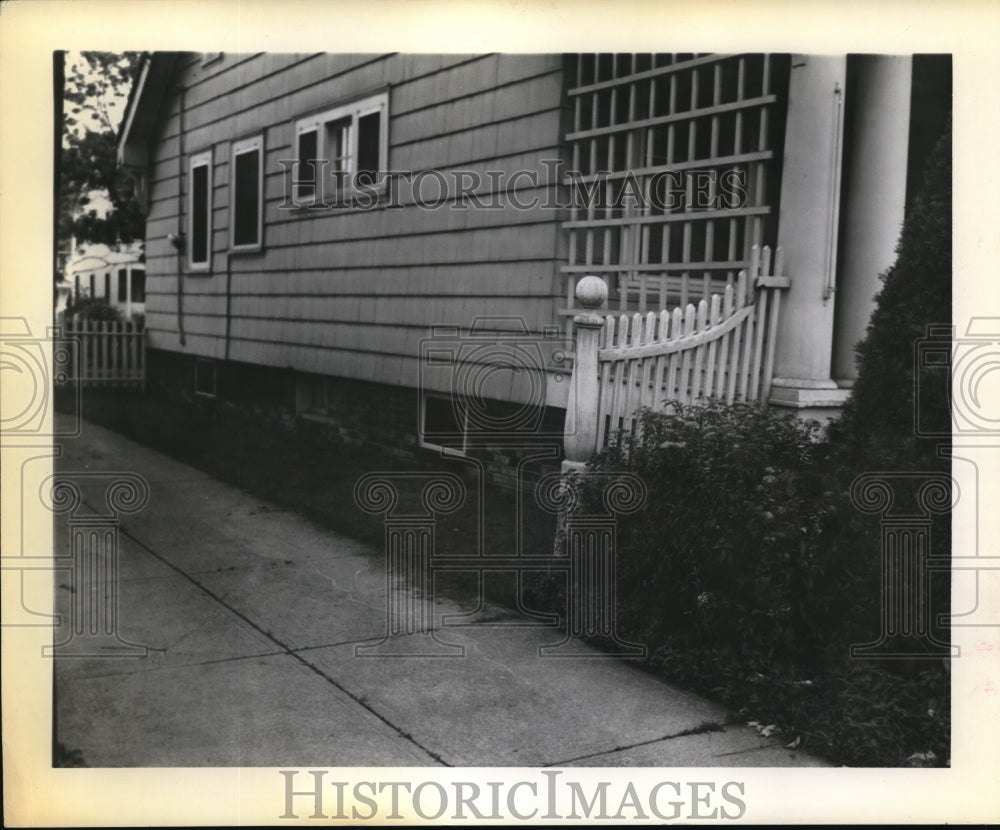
{"points": [[106, 353]]}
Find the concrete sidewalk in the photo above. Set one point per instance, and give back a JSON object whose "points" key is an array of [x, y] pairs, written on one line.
{"points": [[251, 616]]}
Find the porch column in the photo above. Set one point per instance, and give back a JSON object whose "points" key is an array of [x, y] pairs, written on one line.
{"points": [[807, 232], [875, 197]]}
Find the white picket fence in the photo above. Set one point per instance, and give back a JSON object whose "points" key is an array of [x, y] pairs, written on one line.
{"points": [[722, 348], [106, 353]]}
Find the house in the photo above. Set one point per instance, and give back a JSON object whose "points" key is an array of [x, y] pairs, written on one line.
{"points": [[383, 242], [118, 277]]}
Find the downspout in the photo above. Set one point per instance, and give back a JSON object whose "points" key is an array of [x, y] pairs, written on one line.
{"points": [[229, 316], [181, 248], [833, 208]]}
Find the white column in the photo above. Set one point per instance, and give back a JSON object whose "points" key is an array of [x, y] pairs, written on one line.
{"points": [[875, 197], [807, 232]]}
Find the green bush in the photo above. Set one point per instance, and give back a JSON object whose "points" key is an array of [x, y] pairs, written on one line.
{"points": [[730, 551], [93, 308], [749, 575]]}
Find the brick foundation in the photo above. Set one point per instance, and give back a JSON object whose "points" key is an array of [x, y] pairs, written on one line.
{"points": [[351, 412]]}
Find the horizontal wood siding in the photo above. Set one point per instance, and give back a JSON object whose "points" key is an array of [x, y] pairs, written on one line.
{"points": [[351, 292]]}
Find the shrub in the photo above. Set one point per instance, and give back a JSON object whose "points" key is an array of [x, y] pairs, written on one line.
{"points": [[748, 575], [93, 308], [729, 552]]}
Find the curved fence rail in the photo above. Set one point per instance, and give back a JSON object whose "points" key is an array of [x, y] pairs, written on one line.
{"points": [[723, 347]]}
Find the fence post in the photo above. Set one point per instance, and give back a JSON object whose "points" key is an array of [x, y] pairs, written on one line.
{"points": [[580, 434]]}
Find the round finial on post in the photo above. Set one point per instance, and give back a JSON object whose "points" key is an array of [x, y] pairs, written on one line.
{"points": [[591, 292]]}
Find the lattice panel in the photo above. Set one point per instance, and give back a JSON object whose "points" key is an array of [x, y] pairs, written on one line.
{"points": [[673, 161]]}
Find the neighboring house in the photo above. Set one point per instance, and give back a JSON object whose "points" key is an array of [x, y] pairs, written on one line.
{"points": [[119, 277], [312, 217]]}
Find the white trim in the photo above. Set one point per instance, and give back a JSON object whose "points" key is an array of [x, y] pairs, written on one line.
{"points": [[354, 110], [203, 159], [247, 145], [137, 96]]}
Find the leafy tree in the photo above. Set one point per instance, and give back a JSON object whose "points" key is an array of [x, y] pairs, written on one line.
{"points": [[95, 90]]}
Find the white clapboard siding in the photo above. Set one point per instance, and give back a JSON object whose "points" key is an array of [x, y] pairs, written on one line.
{"points": [[328, 285]]}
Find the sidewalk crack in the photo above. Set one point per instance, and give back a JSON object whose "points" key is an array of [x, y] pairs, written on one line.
{"points": [[697, 730]]}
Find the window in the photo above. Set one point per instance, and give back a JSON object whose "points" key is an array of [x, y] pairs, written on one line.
{"points": [[138, 285], [204, 377], [443, 424], [107, 286], [341, 151], [122, 285], [93, 293], [200, 211], [246, 194]]}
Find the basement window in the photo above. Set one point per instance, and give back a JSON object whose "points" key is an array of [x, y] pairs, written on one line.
{"points": [[341, 152], [199, 218], [246, 194], [204, 377], [443, 424]]}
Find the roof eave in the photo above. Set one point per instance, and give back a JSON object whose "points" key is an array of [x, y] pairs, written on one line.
{"points": [[143, 107]]}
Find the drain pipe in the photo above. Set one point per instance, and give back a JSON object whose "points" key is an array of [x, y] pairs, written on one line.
{"points": [[229, 295], [178, 240]]}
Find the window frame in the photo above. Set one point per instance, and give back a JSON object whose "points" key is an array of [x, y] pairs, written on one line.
{"points": [[195, 160], [241, 147], [354, 109]]}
